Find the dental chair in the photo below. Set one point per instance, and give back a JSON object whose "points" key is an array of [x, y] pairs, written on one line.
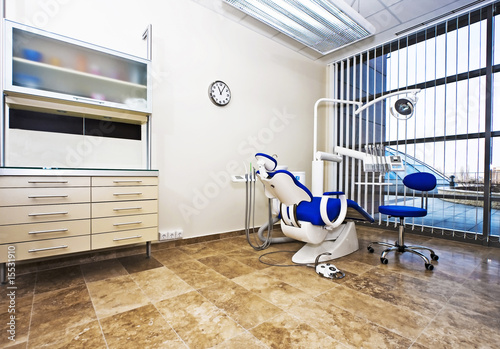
{"points": [[423, 182], [318, 221]]}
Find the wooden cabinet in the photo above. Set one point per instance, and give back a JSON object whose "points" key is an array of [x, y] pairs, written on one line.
{"points": [[60, 212]]}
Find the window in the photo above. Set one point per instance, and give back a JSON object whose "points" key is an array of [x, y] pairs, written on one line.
{"points": [[455, 132]]}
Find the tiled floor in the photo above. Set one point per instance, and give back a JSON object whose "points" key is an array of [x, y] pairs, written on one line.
{"points": [[217, 294]]}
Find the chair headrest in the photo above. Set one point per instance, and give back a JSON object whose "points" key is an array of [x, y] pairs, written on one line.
{"points": [[268, 161], [422, 181]]}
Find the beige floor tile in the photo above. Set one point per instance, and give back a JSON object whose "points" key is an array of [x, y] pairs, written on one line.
{"points": [[303, 278], [285, 331], [139, 262], [275, 291], [17, 328], [160, 283], [197, 251], [59, 309], [350, 330], [196, 274], [250, 258], [411, 298], [55, 279], [87, 335], [198, 322], [171, 256], [456, 327], [246, 308], [116, 295], [406, 323], [102, 270], [245, 340], [481, 297], [142, 327], [226, 266]]}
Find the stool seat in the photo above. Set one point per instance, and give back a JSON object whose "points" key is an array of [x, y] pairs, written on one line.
{"points": [[402, 211]]}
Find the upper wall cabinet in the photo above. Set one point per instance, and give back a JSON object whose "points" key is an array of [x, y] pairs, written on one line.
{"points": [[46, 65]]}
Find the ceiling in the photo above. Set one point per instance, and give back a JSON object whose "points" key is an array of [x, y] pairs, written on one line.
{"points": [[390, 18]]}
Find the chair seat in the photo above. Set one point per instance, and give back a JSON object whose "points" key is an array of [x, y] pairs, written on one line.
{"points": [[309, 211], [402, 211]]}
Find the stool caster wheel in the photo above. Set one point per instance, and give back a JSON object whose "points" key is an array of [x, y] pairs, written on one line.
{"points": [[384, 260], [429, 266], [434, 257], [370, 249]]}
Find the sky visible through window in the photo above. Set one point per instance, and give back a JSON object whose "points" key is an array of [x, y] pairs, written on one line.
{"points": [[456, 108]]}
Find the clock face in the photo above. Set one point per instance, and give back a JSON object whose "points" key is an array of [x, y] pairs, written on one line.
{"points": [[219, 93]]}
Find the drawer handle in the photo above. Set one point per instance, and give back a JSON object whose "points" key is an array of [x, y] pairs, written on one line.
{"points": [[127, 223], [136, 193], [128, 238], [46, 196], [46, 214], [127, 208], [48, 248], [128, 181], [48, 231], [34, 182]]}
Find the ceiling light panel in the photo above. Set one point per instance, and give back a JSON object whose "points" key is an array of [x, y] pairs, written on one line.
{"points": [[323, 25]]}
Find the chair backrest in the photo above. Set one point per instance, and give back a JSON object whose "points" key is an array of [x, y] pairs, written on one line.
{"points": [[422, 181], [286, 188]]}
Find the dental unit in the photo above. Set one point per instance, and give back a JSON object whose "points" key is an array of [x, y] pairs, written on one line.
{"points": [[323, 220]]}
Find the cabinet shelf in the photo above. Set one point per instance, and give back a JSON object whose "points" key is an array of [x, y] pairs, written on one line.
{"points": [[53, 68]]}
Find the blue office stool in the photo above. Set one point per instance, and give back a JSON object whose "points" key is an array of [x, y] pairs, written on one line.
{"points": [[423, 182]]}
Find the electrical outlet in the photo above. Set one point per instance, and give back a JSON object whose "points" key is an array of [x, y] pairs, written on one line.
{"points": [[171, 235], [178, 234], [162, 236]]}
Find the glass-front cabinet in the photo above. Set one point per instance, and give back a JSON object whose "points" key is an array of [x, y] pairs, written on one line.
{"points": [[43, 64]]}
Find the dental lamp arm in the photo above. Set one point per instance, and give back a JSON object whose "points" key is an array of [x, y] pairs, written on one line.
{"points": [[323, 209], [413, 91]]}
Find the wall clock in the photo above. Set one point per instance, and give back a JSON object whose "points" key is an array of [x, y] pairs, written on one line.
{"points": [[219, 93]]}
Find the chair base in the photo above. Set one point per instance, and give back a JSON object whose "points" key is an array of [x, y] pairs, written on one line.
{"points": [[346, 242], [400, 247]]}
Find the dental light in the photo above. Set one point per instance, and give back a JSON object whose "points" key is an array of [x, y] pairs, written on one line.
{"points": [[402, 109], [323, 25], [374, 159]]}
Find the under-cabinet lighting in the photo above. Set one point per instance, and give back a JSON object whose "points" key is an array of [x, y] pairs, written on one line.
{"points": [[323, 25]]}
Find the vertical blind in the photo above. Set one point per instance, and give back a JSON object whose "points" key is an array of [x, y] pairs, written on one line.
{"points": [[454, 132]]}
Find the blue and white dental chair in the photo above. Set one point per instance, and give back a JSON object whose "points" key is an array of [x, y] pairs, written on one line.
{"points": [[318, 221]]}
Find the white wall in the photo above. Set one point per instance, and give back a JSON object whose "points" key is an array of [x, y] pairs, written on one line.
{"points": [[196, 145]]}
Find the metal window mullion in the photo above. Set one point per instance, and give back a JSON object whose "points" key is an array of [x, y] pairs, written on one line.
{"points": [[487, 129], [353, 141], [374, 123], [360, 140], [347, 159], [365, 113], [341, 126]]}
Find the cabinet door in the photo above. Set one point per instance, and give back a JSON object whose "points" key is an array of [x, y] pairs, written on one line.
{"points": [[55, 66]]}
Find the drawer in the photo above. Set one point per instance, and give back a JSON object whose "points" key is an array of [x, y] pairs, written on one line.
{"points": [[100, 194], [46, 248], [43, 213], [124, 208], [43, 181], [123, 181], [41, 196], [40, 231], [124, 238], [110, 224]]}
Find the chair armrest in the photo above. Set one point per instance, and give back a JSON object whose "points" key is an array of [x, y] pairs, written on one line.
{"points": [[324, 213]]}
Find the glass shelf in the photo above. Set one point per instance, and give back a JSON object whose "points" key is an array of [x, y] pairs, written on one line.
{"points": [[54, 66]]}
